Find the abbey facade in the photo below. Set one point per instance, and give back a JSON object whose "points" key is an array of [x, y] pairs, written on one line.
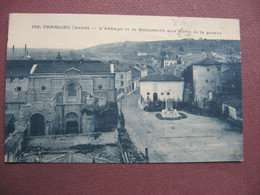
{"points": [[61, 97]]}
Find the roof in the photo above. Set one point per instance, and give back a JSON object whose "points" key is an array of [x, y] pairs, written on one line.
{"points": [[150, 69], [88, 67], [121, 68], [206, 62], [22, 68], [160, 78], [233, 67], [19, 68]]}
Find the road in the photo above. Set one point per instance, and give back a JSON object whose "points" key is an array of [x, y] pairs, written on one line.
{"points": [[194, 139]]}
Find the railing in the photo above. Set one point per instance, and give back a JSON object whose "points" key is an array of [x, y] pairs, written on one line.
{"points": [[125, 155]]}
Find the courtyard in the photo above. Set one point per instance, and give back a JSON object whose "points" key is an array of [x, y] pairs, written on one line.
{"points": [[193, 139]]}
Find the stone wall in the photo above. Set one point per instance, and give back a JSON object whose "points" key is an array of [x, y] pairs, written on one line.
{"points": [[55, 142], [15, 142]]}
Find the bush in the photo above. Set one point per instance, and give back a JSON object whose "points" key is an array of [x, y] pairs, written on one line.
{"points": [[107, 117], [155, 106]]}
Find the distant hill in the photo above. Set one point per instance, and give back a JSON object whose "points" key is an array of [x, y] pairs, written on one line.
{"points": [[167, 47], [131, 49]]}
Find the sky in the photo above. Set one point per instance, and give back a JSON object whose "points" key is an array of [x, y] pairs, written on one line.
{"points": [[83, 31]]}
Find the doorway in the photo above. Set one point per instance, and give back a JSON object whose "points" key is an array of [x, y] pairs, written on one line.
{"points": [[155, 97], [37, 125]]}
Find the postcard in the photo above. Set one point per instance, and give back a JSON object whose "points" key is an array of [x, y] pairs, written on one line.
{"points": [[122, 89]]}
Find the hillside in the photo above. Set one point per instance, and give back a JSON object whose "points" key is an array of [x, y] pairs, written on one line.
{"points": [[129, 50]]}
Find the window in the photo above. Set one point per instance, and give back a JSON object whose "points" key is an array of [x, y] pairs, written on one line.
{"points": [[18, 88], [12, 79], [122, 83], [207, 81], [208, 69], [72, 90], [20, 79], [99, 86], [162, 93], [43, 88], [148, 93], [219, 68], [168, 93], [121, 76]]}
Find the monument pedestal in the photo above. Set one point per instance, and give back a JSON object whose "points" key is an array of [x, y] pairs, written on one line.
{"points": [[170, 113]]}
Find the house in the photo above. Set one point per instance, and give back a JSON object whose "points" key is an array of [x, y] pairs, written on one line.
{"points": [[169, 62], [141, 68], [232, 78], [150, 69], [156, 87], [123, 78], [60, 97], [136, 75], [204, 79], [232, 107]]}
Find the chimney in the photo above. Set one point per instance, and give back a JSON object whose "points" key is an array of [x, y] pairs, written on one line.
{"points": [[112, 68], [25, 49], [13, 52]]}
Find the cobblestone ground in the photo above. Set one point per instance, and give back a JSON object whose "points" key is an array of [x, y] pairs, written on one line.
{"points": [[193, 139]]}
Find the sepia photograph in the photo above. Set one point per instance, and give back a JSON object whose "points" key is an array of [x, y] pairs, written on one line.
{"points": [[122, 89]]}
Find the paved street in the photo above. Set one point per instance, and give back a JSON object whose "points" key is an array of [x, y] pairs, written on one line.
{"points": [[194, 139]]}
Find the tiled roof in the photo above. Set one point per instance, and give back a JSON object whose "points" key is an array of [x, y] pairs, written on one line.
{"points": [[160, 78], [88, 67], [121, 68], [21, 68], [207, 62]]}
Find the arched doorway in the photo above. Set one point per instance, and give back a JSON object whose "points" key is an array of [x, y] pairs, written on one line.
{"points": [[72, 124], [155, 97], [37, 125]]}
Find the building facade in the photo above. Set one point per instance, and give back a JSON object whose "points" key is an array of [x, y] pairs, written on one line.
{"points": [[161, 87], [206, 80], [123, 78], [61, 97]]}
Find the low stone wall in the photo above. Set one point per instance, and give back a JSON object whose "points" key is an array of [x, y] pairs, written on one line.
{"points": [[59, 142], [14, 143]]}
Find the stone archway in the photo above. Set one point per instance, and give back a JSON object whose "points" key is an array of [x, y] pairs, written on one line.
{"points": [[37, 125], [72, 123]]}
